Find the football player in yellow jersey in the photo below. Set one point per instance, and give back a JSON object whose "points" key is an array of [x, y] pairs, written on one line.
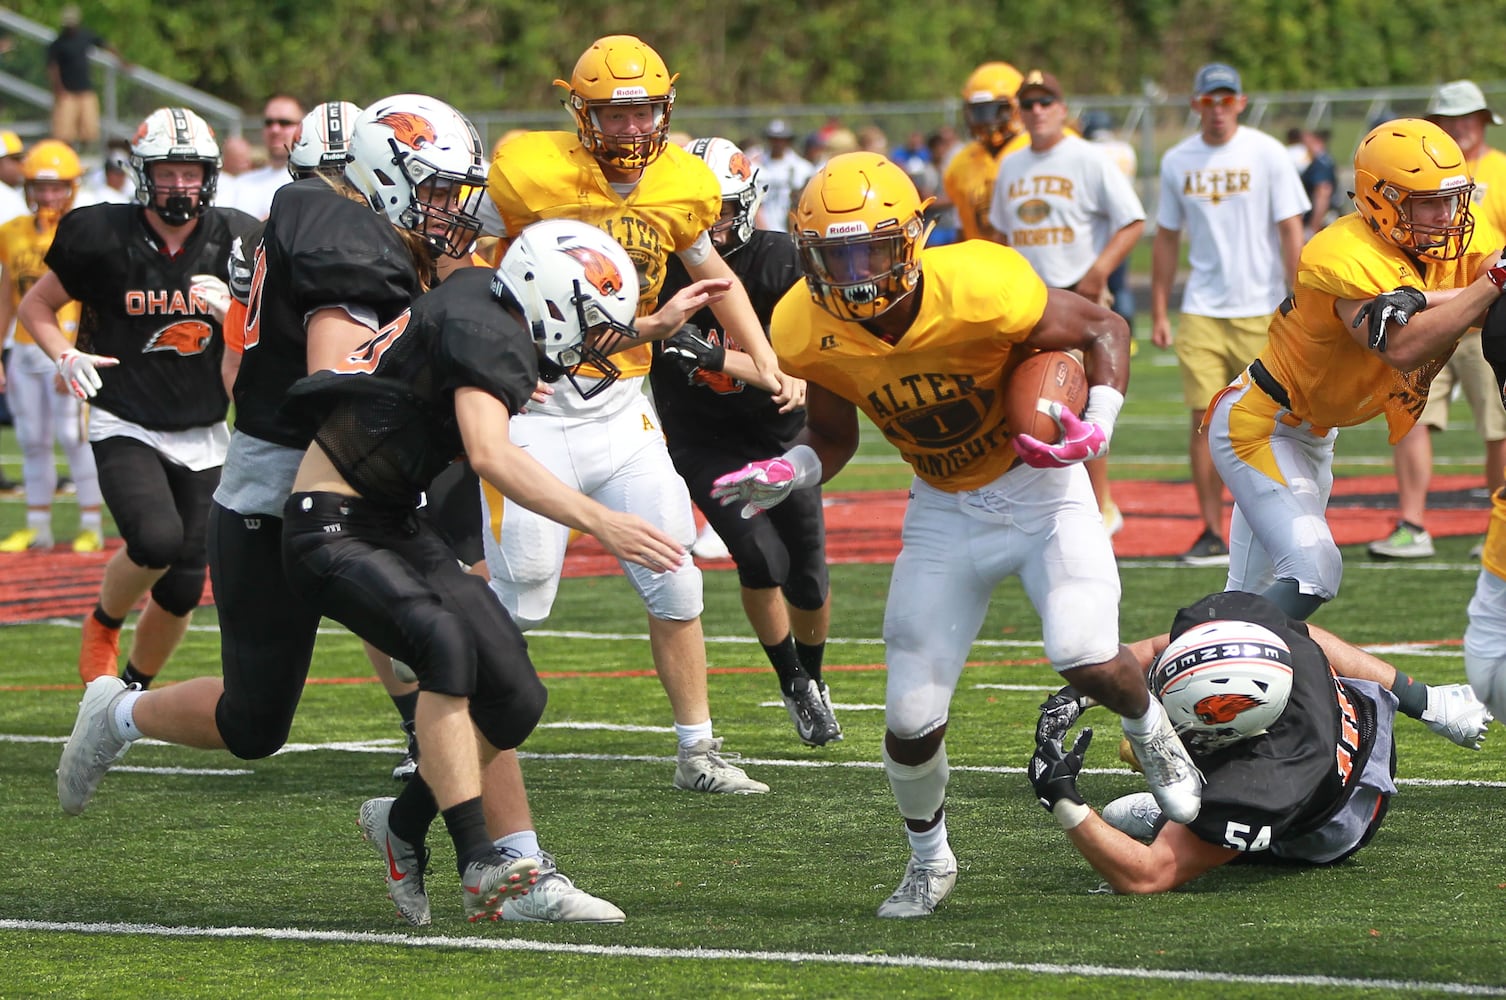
{"points": [[922, 342], [619, 172], [1383, 296], [1459, 108], [42, 414], [988, 108]]}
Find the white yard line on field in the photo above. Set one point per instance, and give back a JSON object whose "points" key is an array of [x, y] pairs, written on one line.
{"points": [[510, 944]]}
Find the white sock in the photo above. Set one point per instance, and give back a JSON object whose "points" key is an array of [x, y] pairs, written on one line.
{"points": [[1147, 724], [91, 520], [523, 844], [930, 845], [40, 521], [690, 735], [125, 716]]}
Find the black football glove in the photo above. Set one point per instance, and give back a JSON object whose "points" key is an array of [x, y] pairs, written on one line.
{"points": [[1053, 774], [691, 352], [1060, 712], [1397, 306]]}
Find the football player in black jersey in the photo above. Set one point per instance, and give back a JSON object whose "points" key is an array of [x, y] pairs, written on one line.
{"points": [[147, 358], [440, 380], [336, 261], [1290, 726], [715, 422]]}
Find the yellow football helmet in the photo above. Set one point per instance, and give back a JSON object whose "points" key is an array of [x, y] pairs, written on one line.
{"points": [[619, 71], [988, 103], [859, 228], [55, 162], [1412, 185]]}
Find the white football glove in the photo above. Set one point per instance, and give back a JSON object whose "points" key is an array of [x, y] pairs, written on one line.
{"points": [[80, 371], [214, 292], [1455, 713]]}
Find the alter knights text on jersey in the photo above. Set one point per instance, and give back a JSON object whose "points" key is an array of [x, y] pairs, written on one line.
{"points": [[136, 306], [936, 394]]}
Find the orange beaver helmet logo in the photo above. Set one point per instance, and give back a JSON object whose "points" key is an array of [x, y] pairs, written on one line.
{"points": [[1221, 709], [600, 271], [409, 129], [188, 337], [740, 166]]}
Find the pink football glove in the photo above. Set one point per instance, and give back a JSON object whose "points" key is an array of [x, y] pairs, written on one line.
{"points": [[1080, 441], [757, 485]]}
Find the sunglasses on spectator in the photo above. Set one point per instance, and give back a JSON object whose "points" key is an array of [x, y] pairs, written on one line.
{"points": [[284, 122], [1031, 103], [1216, 100]]}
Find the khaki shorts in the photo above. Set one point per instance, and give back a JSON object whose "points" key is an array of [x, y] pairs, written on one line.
{"points": [[1213, 351], [75, 117], [1468, 370]]}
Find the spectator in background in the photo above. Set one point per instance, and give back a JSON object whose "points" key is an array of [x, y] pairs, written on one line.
{"points": [[1098, 127], [941, 214], [1297, 148], [785, 171], [871, 139], [12, 178], [111, 182], [1071, 213], [236, 152], [1459, 108], [1240, 199], [1319, 178], [253, 190], [75, 103]]}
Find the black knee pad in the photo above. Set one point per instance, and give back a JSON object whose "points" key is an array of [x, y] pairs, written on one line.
{"points": [[249, 734], [179, 590], [807, 587], [505, 718]]}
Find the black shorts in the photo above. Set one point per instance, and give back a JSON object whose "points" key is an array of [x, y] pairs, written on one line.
{"points": [[267, 632], [160, 508], [388, 577]]}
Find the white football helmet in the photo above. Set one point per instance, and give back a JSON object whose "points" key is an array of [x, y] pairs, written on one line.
{"points": [[418, 161], [743, 188], [1223, 682], [323, 144], [579, 292], [175, 135]]}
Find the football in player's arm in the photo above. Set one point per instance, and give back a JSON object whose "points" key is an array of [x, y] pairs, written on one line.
{"points": [[1290, 726]]}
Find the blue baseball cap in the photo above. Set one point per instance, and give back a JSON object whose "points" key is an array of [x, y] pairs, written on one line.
{"points": [[1216, 76]]}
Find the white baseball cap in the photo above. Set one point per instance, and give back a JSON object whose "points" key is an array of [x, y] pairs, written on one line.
{"points": [[1458, 98]]}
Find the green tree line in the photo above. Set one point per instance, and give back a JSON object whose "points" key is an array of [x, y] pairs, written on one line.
{"points": [[504, 54]]}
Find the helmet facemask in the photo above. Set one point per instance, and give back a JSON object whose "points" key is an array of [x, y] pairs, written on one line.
{"points": [[625, 151], [863, 276], [443, 210], [990, 122], [1433, 241]]}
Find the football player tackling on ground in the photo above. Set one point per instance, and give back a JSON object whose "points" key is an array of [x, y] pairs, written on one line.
{"points": [[921, 342], [1291, 727]]}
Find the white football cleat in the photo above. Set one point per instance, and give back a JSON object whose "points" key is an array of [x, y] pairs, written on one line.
{"points": [[923, 888]]}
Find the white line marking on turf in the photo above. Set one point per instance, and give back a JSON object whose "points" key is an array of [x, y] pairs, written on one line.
{"points": [[386, 746], [735, 955], [211, 772]]}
